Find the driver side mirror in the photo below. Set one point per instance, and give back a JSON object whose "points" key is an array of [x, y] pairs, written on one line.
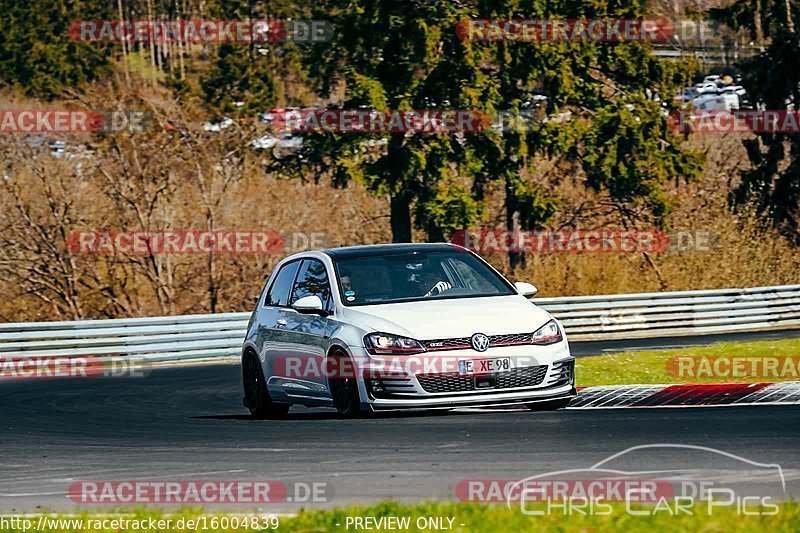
{"points": [[310, 305], [526, 289]]}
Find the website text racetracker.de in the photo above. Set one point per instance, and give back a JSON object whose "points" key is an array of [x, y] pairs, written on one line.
{"points": [[193, 242], [203, 31], [29, 121], [32, 367], [583, 241], [124, 523]]}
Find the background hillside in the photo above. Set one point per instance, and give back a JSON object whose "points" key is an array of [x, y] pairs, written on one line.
{"points": [[613, 162]]}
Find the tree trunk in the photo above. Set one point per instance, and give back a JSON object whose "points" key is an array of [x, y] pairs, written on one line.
{"points": [[400, 197], [124, 46], [180, 41], [153, 61], [400, 217], [513, 223]]}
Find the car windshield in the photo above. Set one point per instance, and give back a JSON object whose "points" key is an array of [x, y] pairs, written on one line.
{"points": [[416, 276]]}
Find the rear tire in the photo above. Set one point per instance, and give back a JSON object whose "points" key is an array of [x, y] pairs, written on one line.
{"points": [[343, 386], [550, 405], [256, 395]]}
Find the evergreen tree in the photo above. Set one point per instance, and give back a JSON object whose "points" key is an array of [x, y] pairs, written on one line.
{"points": [[615, 127], [37, 54], [773, 80]]}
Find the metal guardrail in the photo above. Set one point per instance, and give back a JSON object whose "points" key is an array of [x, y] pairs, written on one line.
{"points": [[607, 317], [670, 314]]}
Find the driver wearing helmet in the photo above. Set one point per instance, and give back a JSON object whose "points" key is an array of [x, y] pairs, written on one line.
{"points": [[430, 283]]}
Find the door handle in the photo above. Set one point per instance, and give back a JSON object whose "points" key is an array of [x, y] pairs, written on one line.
{"points": [[281, 323]]}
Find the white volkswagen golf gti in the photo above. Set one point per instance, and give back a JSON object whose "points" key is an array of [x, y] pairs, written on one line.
{"points": [[400, 326]]}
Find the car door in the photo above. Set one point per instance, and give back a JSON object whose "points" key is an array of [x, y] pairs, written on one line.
{"points": [[308, 335], [271, 334]]}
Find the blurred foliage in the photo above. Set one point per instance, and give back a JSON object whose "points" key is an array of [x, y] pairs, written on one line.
{"points": [[37, 56], [407, 55], [773, 79], [594, 151]]}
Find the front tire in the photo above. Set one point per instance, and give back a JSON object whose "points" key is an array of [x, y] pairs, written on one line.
{"points": [[551, 405], [343, 386], [256, 395]]}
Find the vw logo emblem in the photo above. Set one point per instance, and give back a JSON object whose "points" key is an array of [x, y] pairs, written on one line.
{"points": [[479, 342]]}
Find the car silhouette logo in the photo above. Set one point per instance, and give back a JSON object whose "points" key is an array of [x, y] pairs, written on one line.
{"points": [[479, 342]]}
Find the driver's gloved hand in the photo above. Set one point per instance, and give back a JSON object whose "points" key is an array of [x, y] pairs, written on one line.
{"points": [[439, 288]]}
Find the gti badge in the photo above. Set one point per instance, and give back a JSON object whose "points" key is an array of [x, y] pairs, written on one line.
{"points": [[479, 342]]}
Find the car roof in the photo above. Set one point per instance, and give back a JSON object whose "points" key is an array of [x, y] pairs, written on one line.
{"points": [[372, 250]]}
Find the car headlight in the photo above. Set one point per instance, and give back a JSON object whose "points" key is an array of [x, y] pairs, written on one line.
{"points": [[386, 344], [550, 333]]}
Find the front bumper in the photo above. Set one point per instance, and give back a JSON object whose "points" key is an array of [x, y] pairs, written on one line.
{"points": [[537, 373], [478, 400]]}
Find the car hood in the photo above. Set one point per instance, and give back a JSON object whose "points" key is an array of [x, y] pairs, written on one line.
{"points": [[443, 319]]}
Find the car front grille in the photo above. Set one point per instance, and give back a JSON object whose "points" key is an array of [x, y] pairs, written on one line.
{"points": [[458, 343], [521, 377], [516, 378]]}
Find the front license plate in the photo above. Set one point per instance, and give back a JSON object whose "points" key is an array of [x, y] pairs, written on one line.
{"points": [[468, 367]]}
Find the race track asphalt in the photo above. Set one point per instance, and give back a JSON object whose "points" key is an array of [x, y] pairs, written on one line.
{"points": [[187, 423]]}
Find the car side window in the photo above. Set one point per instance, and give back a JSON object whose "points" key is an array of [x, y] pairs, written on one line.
{"points": [[278, 294], [313, 281]]}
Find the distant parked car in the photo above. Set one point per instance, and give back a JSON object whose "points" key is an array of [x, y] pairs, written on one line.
{"points": [[736, 89], [717, 101], [62, 149], [265, 142], [706, 87], [289, 141], [534, 108], [282, 144], [215, 126], [270, 115], [688, 94]]}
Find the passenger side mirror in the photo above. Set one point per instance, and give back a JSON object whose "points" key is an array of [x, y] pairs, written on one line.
{"points": [[526, 289], [310, 305]]}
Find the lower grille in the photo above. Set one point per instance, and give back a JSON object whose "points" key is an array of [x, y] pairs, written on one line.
{"points": [[518, 377], [563, 372], [522, 377], [464, 342]]}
